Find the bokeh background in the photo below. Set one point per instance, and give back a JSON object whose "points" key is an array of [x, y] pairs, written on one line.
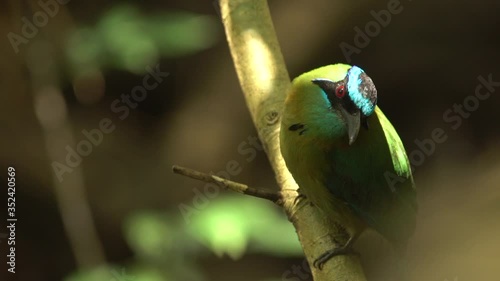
{"points": [[121, 214]]}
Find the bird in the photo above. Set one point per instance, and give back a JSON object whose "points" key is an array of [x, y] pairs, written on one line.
{"points": [[346, 156]]}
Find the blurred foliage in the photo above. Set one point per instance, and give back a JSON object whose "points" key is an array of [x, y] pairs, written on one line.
{"points": [[237, 223], [167, 248], [115, 273], [126, 39], [161, 240]]}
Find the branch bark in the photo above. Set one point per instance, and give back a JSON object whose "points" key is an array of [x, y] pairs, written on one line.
{"points": [[228, 184], [264, 80]]}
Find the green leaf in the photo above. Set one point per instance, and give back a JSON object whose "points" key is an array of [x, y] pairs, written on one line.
{"points": [[233, 224], [148, 233], [125, 38]]}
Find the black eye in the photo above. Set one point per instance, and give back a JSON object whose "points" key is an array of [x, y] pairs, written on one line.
{"points": [[340, 91]]}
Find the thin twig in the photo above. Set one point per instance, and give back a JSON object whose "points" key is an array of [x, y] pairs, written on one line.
{"points": [[274, 196]]}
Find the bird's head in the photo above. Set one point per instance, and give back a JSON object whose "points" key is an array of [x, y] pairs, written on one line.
{"points": [[333, 101]]}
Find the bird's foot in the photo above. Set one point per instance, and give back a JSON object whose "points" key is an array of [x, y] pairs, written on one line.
{"points": [[326, 256], [298, 198]]}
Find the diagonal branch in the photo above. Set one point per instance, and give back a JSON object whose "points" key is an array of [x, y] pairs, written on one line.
{"points": [[228, 184], [264, 80]]}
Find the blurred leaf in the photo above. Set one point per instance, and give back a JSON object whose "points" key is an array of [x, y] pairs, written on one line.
{"points": [[84, 50], [182, 33], [124, 38], [147, 274], [127, 39], [115, 273], [160, 240], [148, 233], [98, 274], [105, 273], [222, 227], [232, 223], [280, 237]]}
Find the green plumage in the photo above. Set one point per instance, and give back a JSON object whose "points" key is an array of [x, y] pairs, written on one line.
{"points": [[350, 179]]}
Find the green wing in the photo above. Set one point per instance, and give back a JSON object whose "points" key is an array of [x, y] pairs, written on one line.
{"points": [[373, 176], [398, 153]]}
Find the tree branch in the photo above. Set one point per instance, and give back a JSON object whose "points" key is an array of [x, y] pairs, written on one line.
{"points": [[232, 185], [264, 80]]}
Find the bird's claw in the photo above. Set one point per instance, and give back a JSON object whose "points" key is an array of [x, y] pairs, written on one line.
{"points": [[345, 250], [300, 196]]}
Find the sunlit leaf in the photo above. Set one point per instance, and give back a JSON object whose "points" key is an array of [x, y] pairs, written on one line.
{"points": [[232, 224], [222, 228]]}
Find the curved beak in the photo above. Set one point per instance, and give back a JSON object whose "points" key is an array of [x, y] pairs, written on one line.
{"points": [[353, 123]]}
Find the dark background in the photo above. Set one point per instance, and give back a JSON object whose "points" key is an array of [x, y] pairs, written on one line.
{"points": [[426, 60]]}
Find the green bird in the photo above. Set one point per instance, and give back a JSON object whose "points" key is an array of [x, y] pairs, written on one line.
{"points": [[345, 155]]}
